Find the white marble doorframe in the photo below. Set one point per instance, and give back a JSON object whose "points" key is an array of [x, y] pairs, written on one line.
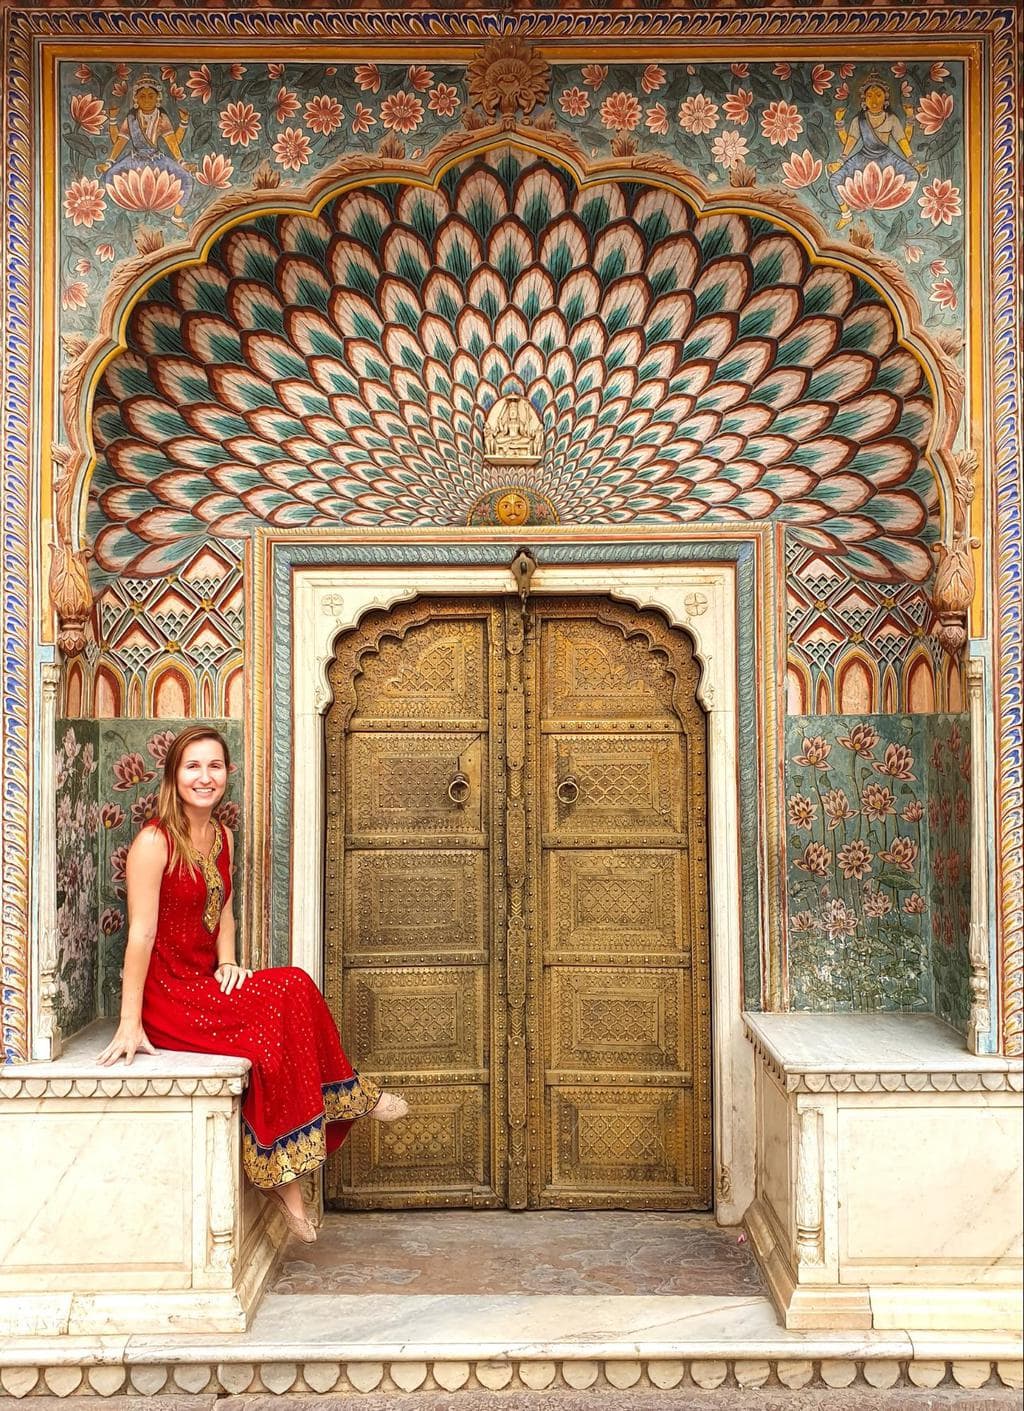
{"points": [[701, 599]]}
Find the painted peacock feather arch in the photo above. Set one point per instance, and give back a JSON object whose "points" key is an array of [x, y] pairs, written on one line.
{"points": [[335, 368]]}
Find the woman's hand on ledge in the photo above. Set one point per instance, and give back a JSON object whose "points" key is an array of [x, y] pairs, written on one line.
{"points": [[129, 1040], [230, 976]]}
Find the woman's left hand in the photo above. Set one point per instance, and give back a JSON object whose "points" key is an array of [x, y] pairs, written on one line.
{"points": [[230, 976]]}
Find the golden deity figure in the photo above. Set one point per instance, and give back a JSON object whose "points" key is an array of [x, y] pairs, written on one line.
{"points": [[513, 433]]}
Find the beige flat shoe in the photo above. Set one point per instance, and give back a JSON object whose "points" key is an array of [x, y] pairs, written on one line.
{"points": [[389, 1108], [302, 1226]]}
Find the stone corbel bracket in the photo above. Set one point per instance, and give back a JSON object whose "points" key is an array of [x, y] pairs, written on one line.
{"points": [[953, 590], [70, 593]]}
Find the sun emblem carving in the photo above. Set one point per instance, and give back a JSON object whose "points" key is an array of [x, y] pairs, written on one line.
{"points": [[508, 77]]}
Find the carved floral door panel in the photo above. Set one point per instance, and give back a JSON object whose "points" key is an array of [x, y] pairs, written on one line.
{"points": [[517, 905]]}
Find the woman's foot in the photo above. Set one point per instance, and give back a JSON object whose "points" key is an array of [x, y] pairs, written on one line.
{"points": [[389, 1108], [289, 1197]]}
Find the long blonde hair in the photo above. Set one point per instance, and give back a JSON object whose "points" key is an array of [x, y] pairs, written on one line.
{"points": [[170, 811]]}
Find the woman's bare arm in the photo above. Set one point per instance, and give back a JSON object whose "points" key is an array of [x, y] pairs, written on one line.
{"points": [[147, 858]]}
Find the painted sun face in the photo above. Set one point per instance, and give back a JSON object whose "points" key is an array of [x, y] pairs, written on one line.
{"points": [[512, 508]]}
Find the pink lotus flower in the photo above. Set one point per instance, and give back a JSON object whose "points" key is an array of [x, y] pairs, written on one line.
{"points": [[112, 815], [933, 110], [912, 812], [363, 119], [402, 112], [814, 859], [821, 78], [801, 812], [83, 202], [781, 123], [236, 70], [855, 859], [111, 921], [215, 172], [201, 82], [803, 921], [938, 72], [962, 809], [368, 77], [118, 862], [419, 77], [728, 148], [652, 77], [143, 809], [177, 93], [801, 169], [130, 770], [292, 149], [897, 762], [898, 70], [275, 72], [913, 253], [876, 903], [782, 70], [837, 808], [737, 106], [146, 189], [862, 739], [83, 267], [842, 93], [83, 73], [574, 102], [875, 189], [74, 296], [120, 88], [158, 745], [846, 70], [87, 112], [226, 812], [323, 114], [105, 253], [286, 105], [914, 904], [816, 750], [240, 124], [122, 70], [620, 111], [938, 267], [444, 99], [594, 74], [943, 294], [940, 202], [837, 919], [698, 114], [168, 74], [877, 801], [739, 70], [656, 119], [954, 740], [902, 853]]}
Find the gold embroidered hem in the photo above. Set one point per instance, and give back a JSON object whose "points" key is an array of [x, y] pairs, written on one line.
{"points": [[305, 1149]]}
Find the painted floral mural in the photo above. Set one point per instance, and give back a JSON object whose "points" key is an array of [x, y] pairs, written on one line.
{"points": [[77, 873], [867, 909]]}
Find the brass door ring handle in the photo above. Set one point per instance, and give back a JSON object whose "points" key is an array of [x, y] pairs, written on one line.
{"points": [[458, 789], [568, 790]]}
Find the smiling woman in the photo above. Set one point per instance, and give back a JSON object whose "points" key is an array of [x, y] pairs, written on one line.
{"points": [[183, 988]]}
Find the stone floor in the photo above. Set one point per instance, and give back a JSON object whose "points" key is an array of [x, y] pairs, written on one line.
{"points": [[529, 1252]]}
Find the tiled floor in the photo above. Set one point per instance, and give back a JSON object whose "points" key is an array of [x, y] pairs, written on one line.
{"points": [[532, 1252]]}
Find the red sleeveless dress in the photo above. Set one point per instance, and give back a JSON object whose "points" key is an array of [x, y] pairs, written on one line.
{"points": [[303, 1093]]}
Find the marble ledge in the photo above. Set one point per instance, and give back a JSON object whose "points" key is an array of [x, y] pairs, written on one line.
{"points": [[862, 1053], [76, 1074]]}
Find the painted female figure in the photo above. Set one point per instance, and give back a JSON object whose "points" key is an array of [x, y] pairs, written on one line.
{"points": [[183, 988], [149, 139], [875, 134]]}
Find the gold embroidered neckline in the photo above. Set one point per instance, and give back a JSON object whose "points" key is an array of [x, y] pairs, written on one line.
{"points": [[207, 864]]}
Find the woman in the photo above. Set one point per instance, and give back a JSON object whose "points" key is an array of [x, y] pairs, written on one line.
{"points": [[182, 988], [148, 139], [875, 134]]}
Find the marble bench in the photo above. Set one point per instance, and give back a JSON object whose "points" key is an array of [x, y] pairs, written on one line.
{"points": [[128, 1212], [888, 1184]]}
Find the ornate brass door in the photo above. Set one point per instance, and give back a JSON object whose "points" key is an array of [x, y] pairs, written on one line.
{"points": [[517, 905]]}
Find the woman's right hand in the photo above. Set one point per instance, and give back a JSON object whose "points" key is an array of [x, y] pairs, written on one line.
{"points": [[129, 1040]]}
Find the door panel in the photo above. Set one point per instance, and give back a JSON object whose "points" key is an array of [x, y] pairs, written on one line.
{"points": [[516, 930]]}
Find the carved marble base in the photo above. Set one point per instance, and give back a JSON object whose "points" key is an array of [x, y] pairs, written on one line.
{"points": [[125, 1209], [888, 1174]]}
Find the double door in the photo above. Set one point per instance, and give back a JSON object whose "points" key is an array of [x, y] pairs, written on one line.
{"points": [[516, 927]]}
